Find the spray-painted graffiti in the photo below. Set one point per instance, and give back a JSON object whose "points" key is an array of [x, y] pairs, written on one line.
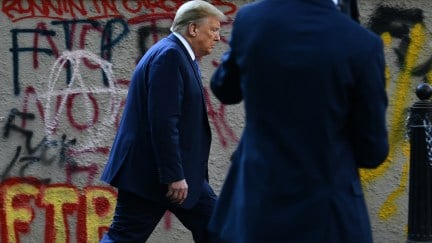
{"points": [[17, 10], [45, 153], [58, 101], [405, 35], [107, 42], [91, 209], [64, 54], [66, 98], [77, 86], [217, 118]]}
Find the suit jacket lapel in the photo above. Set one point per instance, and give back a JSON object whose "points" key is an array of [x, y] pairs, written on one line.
{"points": [[191, 62], [192, 65]]}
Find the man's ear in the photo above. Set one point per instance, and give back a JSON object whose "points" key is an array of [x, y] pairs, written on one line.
{"points": [[192, 29]]}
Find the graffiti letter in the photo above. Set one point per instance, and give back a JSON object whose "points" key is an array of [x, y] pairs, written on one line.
{"points": [[108, 42], [69, 27], [16, 213], [99, 205], [59, 201], [16, 49]]}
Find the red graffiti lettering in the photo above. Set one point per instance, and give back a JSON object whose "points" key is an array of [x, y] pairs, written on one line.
{"points": [[91, 171], [93, 206], [17, 10], [82, 43], [59, 201], [95, 115], [217, 118]]}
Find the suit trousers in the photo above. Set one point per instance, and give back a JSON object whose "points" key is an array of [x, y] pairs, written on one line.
{"points": [[135, 218]]}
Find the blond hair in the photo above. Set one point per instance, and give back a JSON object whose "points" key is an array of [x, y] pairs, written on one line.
{"points": [[194, 11]]}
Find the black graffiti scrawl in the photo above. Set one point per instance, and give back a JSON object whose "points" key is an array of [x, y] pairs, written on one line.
{"points": [[34, 155], [398, 23]]}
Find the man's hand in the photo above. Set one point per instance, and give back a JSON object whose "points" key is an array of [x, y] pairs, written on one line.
{"points": [[177, 191]]}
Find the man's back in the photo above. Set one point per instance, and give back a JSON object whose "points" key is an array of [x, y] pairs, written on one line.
{"points": [[303, 69], [312, 81]]}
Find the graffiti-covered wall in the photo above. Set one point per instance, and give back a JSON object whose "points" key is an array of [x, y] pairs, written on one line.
{"points": [[405, 27], [65, 67]]}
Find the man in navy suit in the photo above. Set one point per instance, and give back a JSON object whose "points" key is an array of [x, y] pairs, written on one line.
{"points": [[312, 81], [158, 160]]}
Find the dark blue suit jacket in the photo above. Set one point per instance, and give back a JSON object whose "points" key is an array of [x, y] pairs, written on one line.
{"points": [[312, 81], [164, 135]]}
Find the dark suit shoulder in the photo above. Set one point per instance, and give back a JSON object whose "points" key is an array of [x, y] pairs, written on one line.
{"points": [[164, 50], [359, 39]]}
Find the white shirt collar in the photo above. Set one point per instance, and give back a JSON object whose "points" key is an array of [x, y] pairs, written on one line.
{"points": [[186, 44]]}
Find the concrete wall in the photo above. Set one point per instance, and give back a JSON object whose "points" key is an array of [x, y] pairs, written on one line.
{"points": [[56, 134]]}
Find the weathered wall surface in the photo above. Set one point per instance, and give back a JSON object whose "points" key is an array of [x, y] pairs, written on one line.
{"points": [[64, 73]]}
